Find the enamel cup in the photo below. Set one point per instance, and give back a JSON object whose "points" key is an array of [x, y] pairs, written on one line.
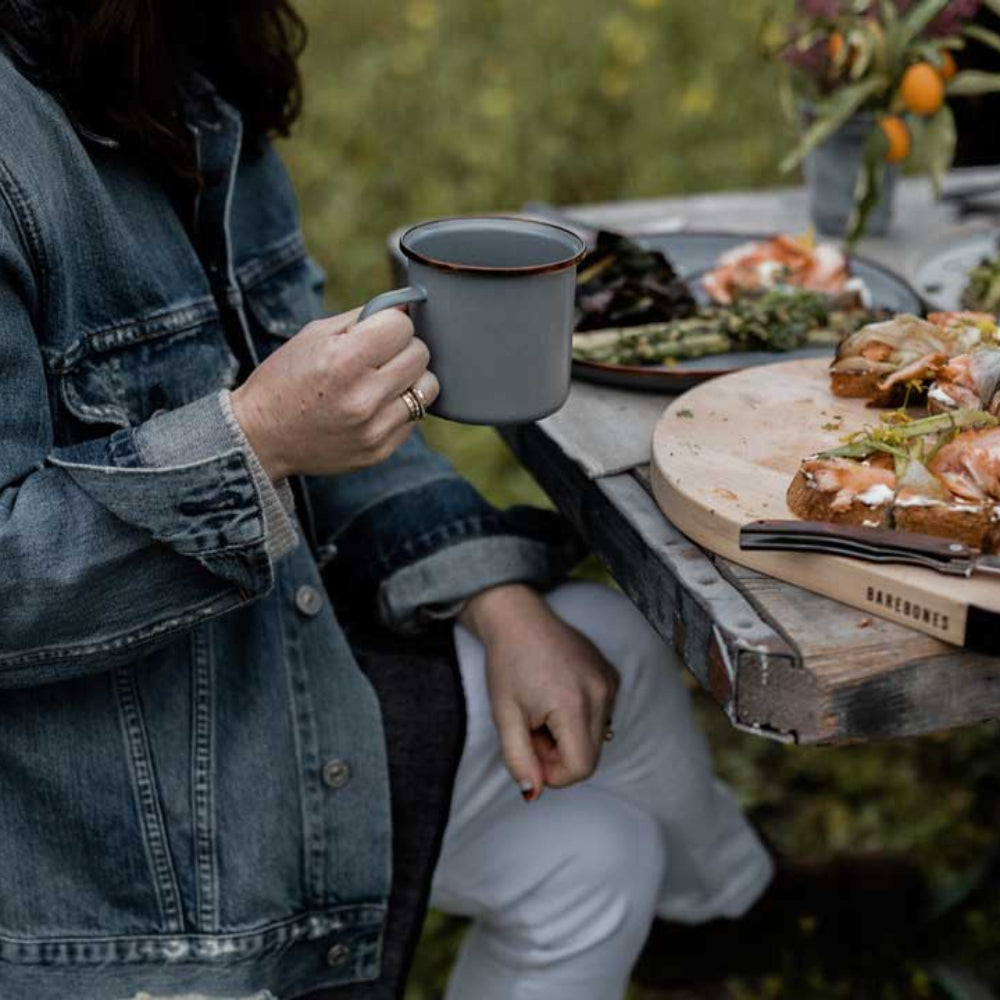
{"points": [[493, 299]]}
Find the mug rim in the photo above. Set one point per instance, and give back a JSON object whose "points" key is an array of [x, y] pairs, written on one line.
{"points": [[481, 269]]}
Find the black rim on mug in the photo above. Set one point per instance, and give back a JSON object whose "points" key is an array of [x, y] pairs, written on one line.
{"points": [[514, 271]]}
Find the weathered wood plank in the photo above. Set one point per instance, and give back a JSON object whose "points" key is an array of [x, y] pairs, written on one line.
{"points": [[606, 430], [840, 643], [871, 679]]}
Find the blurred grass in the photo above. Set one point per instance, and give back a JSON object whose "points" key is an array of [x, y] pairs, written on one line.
{"points": [[420, 108]]}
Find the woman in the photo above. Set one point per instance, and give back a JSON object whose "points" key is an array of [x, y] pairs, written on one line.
{"points": [[194, 784]]}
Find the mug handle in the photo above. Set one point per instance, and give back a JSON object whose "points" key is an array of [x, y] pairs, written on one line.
{"points": [[387, 300]]}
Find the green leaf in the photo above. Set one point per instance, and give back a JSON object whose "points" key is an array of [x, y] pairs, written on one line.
{"points": [[984, 35], [973, 81], [938, 146], [870, 184], [860, 50], [916, 20], [831, 114], [932, 52], [994, 5], [786, 93]]}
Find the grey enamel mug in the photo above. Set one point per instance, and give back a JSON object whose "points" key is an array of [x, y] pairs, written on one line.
{"points": [[493, 299]]}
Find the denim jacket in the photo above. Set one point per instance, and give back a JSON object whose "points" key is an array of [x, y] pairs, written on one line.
{"points": [[193, 790]]}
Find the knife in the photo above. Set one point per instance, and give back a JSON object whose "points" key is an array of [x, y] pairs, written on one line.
{"points": [[878, 545]]}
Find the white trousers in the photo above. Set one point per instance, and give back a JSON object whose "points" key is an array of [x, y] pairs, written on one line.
{"points": [[562, 891]]}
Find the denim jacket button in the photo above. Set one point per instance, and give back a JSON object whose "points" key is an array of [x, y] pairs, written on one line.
{"points": [[308, 601], [339, 954], [336, 773]]}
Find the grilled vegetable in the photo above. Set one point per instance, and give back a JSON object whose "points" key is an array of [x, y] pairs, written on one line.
{"points": [[983, 290], [781, 320]]}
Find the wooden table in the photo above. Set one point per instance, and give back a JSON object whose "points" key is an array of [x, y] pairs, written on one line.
{"points": [[780, 661]]}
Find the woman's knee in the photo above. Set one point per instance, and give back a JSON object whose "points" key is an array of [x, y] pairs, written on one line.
{"points": [[606, 880]]}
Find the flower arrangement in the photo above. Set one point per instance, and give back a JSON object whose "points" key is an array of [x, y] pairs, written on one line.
{"points": [[893, 59]]}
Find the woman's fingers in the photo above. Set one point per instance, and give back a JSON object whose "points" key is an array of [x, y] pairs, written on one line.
{"points": [[396, 413], [331, 326], [428, 388], [395, 440], [518, 752], [380, 338], [403, 370], [578, 753]]}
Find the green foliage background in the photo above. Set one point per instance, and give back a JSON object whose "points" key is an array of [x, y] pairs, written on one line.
{"points": [[420, 108]]}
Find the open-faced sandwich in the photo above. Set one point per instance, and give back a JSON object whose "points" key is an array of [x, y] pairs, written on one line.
{"points": [[969, 381], [782, 262], [939, 475], [895, 361]]}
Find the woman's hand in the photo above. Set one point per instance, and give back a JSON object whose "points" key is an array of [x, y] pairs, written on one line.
{"points": [[328, 401], [551, 690]]}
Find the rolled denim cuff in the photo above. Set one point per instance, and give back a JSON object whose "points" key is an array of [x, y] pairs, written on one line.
{"points": [[207, 428], [183, 478], [209, 510], [439, 585], [277, 498]]}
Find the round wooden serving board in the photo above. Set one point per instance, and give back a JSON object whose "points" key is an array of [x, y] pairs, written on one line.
{"points": [[724, 455]]}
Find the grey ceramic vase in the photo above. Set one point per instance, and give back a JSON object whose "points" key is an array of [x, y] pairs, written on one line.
{"points": [[832, 171]]}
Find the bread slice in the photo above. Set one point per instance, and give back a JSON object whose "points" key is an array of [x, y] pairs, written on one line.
{"points": [[855, 385], [971, 524], [808, 502]]}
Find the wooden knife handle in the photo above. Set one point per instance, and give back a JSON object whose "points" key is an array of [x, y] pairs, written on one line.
{"points": [[871, 544]]}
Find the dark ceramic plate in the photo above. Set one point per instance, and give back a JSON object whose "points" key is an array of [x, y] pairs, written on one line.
{"points": [[693, 254], [944, 271]]}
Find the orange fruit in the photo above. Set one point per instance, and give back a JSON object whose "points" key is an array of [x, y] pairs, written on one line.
{"points": [[835, 46], [948, 65], [922, 89], [898, 136]]}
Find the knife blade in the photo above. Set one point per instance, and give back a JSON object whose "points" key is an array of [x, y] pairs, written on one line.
{"points": [[877, 545]]}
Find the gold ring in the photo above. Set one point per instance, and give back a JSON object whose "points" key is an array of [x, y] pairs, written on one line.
{"points": [[414, 405], [419, 393], [420, 399]]}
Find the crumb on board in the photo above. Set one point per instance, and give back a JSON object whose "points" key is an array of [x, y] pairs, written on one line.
{"points": [[685, 414], [865, 623], [725, 494]]}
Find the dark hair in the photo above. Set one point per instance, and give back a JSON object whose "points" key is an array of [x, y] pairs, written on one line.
{"points": [[119, 66]]}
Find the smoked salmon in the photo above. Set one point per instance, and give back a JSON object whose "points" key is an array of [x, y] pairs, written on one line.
{"points": [[969, 465], [784, 260]]}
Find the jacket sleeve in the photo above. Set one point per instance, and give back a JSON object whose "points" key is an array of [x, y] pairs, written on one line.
{"points": [[113, 545], [409, 540]]}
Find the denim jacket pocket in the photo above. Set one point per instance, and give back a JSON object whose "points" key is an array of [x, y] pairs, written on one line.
{"points": [[123, 374], [283, 292]]}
